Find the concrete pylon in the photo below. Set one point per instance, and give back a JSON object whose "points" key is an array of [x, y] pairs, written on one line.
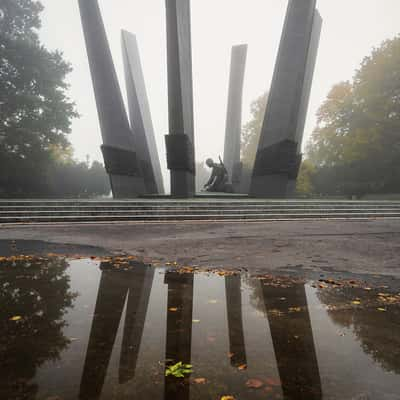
{"points": [[277, 160], [119, 147], [180, 140], [140, 117], [234, 115], [312, 59]]}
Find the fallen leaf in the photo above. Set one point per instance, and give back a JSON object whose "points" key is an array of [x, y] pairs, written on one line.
{"points": [[173, 309], [356, 302], [196, 321], [200, 381], [381, 309], [254, 383], [242, 367], [227, 398], [212, 301], [15, 318], [230, 355], [273, 382]]}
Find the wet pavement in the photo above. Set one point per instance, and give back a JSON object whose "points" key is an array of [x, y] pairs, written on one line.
{"points": [[110, 327]]}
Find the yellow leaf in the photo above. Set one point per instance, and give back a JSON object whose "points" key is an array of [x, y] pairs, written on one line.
{"points": [[356, 302], [381, 309], [242, 367], [227, 398], [173, 309], [15, 318], [196, 321]]}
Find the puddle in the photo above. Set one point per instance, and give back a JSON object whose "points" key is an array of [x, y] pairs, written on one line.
{"points": [[83, 329]]}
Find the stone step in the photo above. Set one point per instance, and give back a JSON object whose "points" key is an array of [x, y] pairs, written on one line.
{"points": [[186, 203], [192, 217], [179, 207], [182, 212]]}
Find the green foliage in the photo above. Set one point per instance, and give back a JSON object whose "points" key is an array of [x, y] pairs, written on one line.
{"points": [[35, 112], [179, 370], [356, 144], [252, 130], [304, 184]]}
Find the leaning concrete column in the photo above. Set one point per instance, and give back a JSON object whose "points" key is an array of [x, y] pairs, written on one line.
{"points": [[277, 160], [140, 117], [311, 61], [180, 141], [119, 150], [234, 115]]}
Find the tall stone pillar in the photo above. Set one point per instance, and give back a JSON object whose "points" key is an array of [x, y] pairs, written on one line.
{"points": [[234, 115], [180, 140], [305, 100], [277, 159], [119, 147], [140, 117]]}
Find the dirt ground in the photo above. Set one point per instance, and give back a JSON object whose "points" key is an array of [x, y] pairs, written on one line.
{"points": [[361, 247]]}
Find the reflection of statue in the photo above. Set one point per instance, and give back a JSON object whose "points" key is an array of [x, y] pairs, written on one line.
{"points": [[41, 295], [219, 178]]}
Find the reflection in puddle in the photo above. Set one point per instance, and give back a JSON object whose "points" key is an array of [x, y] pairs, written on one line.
{"points": [[81, 329]]}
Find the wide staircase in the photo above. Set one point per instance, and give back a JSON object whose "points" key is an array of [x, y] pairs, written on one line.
{"points": [[203, 209]]}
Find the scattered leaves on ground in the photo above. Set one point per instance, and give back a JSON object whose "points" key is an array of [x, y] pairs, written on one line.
{"points": [[254, 383]]}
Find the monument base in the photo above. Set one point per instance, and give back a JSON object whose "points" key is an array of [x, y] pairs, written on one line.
{"points": [[269, 186], [127, 187], [182, 184]]}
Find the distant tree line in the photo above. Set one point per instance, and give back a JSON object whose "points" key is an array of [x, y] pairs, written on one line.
{"points": [[36, 158], [355, 147]]}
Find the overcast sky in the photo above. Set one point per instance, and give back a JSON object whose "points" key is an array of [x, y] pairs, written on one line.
{"points": [[351, 29]]}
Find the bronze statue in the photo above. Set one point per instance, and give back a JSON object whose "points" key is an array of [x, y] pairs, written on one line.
{"points": [[219, 179]]}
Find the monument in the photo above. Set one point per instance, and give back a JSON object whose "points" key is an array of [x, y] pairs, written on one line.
{"points": [[278, 160], [129, 149], [180, 140], [234, 115], [140, 117], [119, 147]]}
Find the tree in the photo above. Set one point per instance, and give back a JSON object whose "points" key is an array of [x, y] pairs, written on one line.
{"points": [[35, 112], [252, 130], [356, 144]]}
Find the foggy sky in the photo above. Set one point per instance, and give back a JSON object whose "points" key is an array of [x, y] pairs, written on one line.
{"points": [[351, 29]]}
